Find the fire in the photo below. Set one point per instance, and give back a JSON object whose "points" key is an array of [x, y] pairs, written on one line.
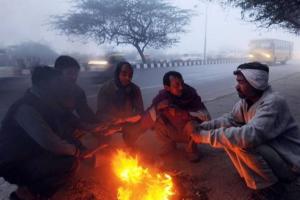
{"points": [[139, 183]]}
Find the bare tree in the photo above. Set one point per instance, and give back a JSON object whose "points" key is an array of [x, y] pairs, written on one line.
{"points": [[140, 23], [267, 13]]}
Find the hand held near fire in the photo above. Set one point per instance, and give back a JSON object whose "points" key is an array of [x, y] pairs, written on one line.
{"points": [[162, 105], [193, 129], [131, 119], [88, 153], [201, 115], [116, 125]]}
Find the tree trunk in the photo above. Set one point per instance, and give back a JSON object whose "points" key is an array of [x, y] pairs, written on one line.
{"points": [[141, 52]]}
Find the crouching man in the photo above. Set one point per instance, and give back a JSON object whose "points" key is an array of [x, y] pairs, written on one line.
{"points": [[32, 155], [260, 135], [171, 109]]}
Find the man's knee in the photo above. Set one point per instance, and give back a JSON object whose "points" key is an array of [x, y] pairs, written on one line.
{"points": [[279, 166], [47, 181], [11, 173], [131, 134], [161, 127], [52, 171], [51, 165], [69, 164], [162, 130], [166, 132]]}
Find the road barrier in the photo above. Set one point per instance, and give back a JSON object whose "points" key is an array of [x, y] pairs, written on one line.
{"points": [[9, 71], [181, 63], [15, 71]]}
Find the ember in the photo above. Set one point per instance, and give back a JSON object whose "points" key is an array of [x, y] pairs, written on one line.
{"points": [[139, 183]]}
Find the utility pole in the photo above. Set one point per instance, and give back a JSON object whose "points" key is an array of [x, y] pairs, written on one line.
{"points": [[205, 32]]}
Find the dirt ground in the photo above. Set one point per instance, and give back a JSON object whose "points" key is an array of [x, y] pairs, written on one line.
{"points": [[207, 179]]}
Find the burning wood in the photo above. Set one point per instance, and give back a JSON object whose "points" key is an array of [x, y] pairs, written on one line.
{"points": [[134, 181], [139, 183]]}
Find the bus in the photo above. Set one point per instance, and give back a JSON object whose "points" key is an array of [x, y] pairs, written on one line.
{"points": [[270, 51]]}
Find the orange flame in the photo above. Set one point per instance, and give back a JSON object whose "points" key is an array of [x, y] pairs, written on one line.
{"points": [[140, 183]]}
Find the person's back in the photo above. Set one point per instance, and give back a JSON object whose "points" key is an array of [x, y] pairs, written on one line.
{"points": [[29, 138], [12, 132]]}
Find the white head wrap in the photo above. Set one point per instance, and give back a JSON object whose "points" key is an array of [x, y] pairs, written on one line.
{"points": [[258, 79]]}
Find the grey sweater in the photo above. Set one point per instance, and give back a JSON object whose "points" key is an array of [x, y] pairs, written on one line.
{"points": [[38, 129], [267, 121]]}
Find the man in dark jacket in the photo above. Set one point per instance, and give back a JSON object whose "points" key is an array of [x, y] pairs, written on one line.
{"points": [[77, 113], [32, 154], [74, 97], [171, 109]]}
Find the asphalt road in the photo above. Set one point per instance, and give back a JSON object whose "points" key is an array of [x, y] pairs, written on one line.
{"points": [[211, 82]]}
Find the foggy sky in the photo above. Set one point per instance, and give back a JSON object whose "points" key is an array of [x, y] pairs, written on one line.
{"points": [[28, 20]]}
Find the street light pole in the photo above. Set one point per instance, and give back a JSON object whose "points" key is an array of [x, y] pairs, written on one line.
{"points": [[205, 32]]}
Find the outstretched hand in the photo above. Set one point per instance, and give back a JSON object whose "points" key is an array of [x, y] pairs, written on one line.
{"points": [[132, 119], [90, 152], [190, 128], [194, 130]]}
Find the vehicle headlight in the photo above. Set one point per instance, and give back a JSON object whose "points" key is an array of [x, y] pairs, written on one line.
{"points": [[98, 62], [267, 55]]}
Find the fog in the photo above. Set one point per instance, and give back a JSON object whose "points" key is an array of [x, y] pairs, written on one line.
{"points": [[29, 21]]}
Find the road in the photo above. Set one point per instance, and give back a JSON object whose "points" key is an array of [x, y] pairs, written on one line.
{"points": [[211, 82]]}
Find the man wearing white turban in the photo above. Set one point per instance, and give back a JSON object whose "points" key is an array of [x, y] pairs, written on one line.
{"points": [[260, 136]]}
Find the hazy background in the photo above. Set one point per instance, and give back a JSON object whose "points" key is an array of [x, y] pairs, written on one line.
{"points": [[28, 20]]}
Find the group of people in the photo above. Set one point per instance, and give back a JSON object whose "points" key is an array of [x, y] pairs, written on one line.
{"points": [[40, 145]]}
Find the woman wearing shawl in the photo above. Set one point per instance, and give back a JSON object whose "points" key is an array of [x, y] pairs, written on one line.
{"points": [[119, 98]]}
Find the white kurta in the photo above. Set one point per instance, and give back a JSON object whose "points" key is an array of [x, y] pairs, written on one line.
{"points": [[268, 121]]}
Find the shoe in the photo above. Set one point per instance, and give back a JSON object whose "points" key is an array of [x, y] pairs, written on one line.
{"points": [[292, 190], [274, 192], [22, 193], [192, 152], [14, 196], [194, 157], [167, 149]]}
